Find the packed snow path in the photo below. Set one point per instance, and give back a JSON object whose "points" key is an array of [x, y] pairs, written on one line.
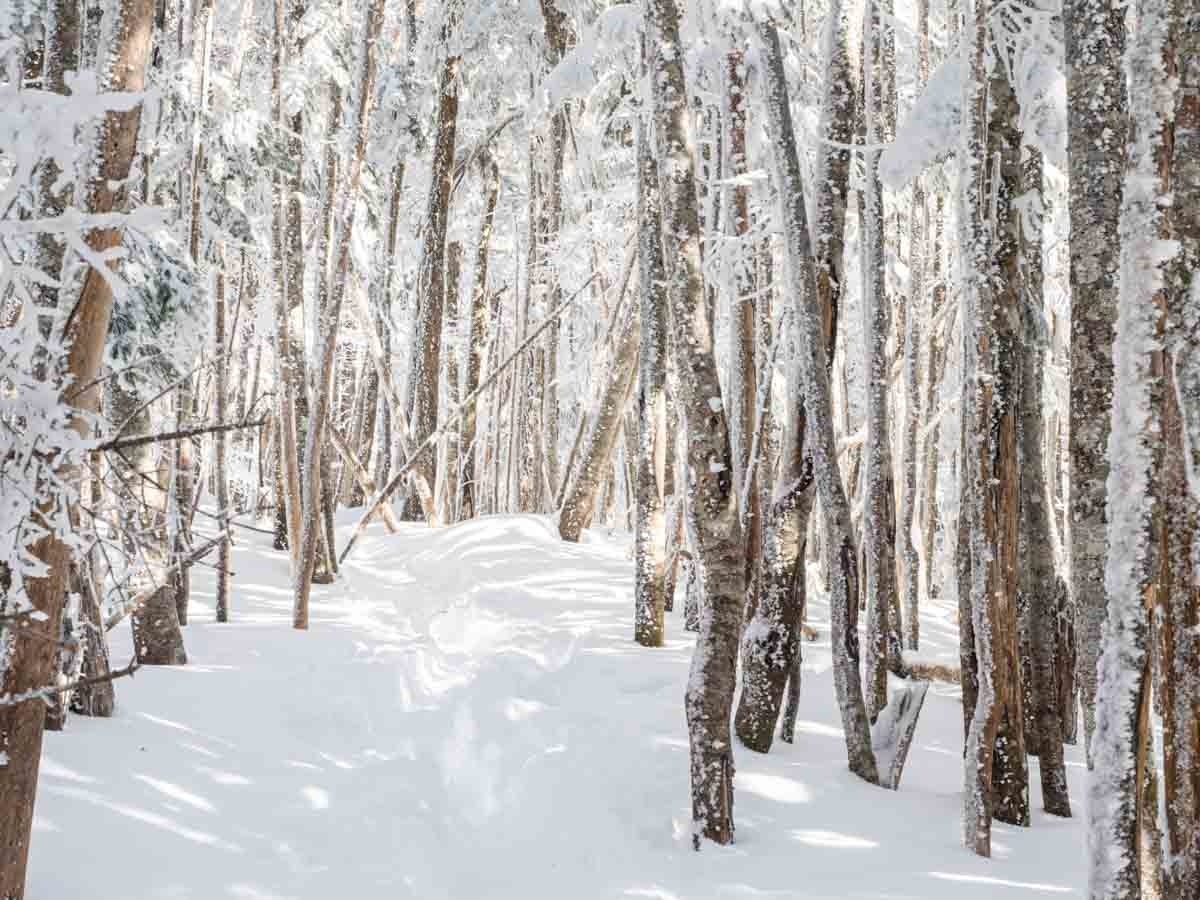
{"points": [[469, 718]]}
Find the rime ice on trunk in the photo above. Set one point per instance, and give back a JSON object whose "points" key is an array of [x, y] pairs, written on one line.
{"points": [[996, 777], [843, 588], [1096, 130], [31, 662], [879, 509], [1149, 636], [1039, 584], [713, 503], [650, 523], [771, 645]]}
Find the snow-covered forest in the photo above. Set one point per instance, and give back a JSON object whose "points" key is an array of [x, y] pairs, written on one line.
{"points": [[597, 448]]}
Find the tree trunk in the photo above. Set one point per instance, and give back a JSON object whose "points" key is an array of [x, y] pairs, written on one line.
{"points": [[996, 773], [478, 327], [1097, 126], [770, 645], [650, 538], [713, 506], [31, 661], [580, 502], [427, 341], [220, 397], [1119, 868], [879, 508], [1038, 581], [814, 375], [289, 381]]}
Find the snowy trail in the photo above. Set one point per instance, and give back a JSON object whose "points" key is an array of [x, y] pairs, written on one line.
{"points": [[469, 718]]}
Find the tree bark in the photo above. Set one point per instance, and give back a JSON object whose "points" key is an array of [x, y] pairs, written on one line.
{"points": [[1097, 126], [580, 503], [770, 644], [31, 660], [814, 375], [478, 326], [713, 506], [650, 538], [427, 341]]}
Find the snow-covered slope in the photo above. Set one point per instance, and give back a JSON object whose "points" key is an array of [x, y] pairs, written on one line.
{"points": [[469, 718]]}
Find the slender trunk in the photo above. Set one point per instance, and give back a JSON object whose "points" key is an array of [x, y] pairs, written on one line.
{"points": [[427, 340], [220, 396], [879, 510], [478, 327], [713, 506], [31, 661], [450, 475], [330, 317], [580, 502], [1038, 581], [650, 527], [814, 375], [287, 378], [771, 646]]}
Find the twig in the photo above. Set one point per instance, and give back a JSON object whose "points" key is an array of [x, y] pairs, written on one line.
{"points": [[178, 434]]}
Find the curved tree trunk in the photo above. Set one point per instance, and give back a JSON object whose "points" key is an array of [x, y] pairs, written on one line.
{"points": [[713, 502]]}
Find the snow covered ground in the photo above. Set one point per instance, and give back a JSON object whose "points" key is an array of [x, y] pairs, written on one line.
{"points": [[469, 718]]}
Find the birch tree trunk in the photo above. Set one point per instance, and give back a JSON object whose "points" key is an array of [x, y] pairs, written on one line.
{"points": [[31, 661], [713, 505]]}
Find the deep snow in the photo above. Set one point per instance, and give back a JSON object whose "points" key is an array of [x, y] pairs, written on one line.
{"points": [[468, 717]]}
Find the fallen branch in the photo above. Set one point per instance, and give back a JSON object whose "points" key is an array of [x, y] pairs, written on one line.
{"points": [[14, 699], [179, 434], [454, 416]]}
